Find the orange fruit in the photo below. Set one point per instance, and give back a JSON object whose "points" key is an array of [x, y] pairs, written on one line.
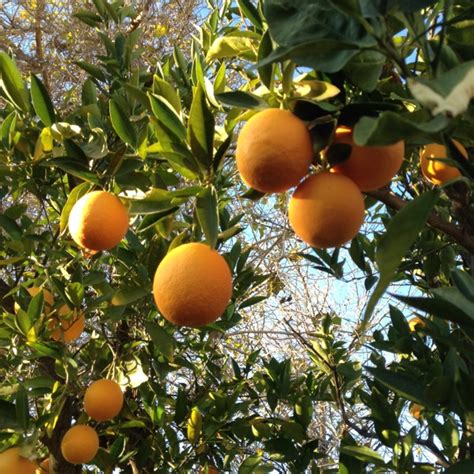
{"points": [[414, 322], [47, 297], [274, 151], [103, 400], [415, 410], [43, 467], [11, 462], [67, 325], [80, 444], [326, 210], [98, 221], [192, 285], [439, 172], [370, 167]]}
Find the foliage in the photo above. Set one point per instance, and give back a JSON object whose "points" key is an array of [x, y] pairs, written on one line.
{"points": [[162, 138]]}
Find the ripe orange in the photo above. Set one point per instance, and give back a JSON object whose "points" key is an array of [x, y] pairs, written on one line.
{"points": [[415, 410], [192, 285], [439, 172], [11, 462], [103, 400], [370, 167], [80, 444], [326, 210], [98, 221], [47, 297], [67, 325], [414, 322], [274, 151]]}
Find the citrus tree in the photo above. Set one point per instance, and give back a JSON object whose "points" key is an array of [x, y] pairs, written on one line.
{"points": [[148, 227]]}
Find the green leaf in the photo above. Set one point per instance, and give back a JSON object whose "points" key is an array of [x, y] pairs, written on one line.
{"points": [[463, 467], [201, 128], [10, 227], [167, 116], [89, 18], [364, 69], [158, 200], [7, 129], [250, 12], [125, 296], [242, 100], [79, 191], [94, 71], [163, 341], [208, 214], [12, 83], [8, 419], [41, 102], [72, 167], [401, 232], [403, 385], [35, 308], [266, 73], [233, 46], [166, 90], [249, 465], [21, 407], [122, 125], [464, 283], [363, 454], [391, 127], [89, 93]]}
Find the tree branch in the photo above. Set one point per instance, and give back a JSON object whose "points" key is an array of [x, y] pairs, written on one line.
{"points": [[458, 234]]}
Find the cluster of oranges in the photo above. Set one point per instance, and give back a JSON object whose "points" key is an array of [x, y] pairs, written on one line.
{"points": [[275, 152], [103, 401]]}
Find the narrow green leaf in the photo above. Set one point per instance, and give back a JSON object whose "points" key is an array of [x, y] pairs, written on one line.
{"points": [[401, 232], [464, 283], [42, 102], [201, 128], [94, 71], [266, 72], [166, 90], [404, 385], [79, 191], [89, 93], [122, 125], [363, 454], [12, 83], [21, 407], [163, 341], [7, 129], [125, 296], [208, 214], [74, 168], [10, 227], [242, 100], [35, 308], [463, 467], [167, 116], [250, 12]]}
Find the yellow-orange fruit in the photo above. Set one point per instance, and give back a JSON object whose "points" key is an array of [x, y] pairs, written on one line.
{"points": [[11, 462], [65, 326], [274, 151], [192, 285], [98, 221], [43, 468], [370, 167], [326, 210], [103, 400], [80, 444], [414, 322], [439, 172], [415, 410], [48, 298]]}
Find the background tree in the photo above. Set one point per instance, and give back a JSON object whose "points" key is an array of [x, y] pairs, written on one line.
{"points": [[300, 373]]}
